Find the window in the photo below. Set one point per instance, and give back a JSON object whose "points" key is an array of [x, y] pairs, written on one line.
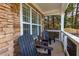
{"points": [[52, 22], [34, 17], [31, 21], [35, 23], [26, 28], [39, 18], [26, 19], [34, 30], [26, 13]]}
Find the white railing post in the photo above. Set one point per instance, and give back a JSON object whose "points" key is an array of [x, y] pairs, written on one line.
{"points": [[62, 25], [77, 51], [65, 43]]}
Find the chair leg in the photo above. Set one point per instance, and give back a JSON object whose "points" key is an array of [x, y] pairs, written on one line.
{"points": [[50, 41], [54, 40], [49, 52]]}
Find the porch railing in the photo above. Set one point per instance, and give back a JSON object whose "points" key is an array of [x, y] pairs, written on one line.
{"points": [[67, 36], [64, 37]]}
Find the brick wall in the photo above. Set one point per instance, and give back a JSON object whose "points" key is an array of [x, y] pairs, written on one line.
{"points": [[9, 28]]}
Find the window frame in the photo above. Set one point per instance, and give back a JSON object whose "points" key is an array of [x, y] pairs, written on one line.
{"points": [[30, 23]]}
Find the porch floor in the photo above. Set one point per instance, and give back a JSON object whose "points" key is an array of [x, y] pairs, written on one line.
{"points": [[57, 49]]}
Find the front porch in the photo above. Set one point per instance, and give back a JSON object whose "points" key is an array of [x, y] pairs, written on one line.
{"points": [[66, 43], [36, 18]]}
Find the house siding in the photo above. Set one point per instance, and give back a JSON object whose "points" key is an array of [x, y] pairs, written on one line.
{"points": [[9, 28]]}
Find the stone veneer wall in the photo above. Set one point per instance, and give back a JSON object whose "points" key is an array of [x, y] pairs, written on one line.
{"points": [[9, 28]]}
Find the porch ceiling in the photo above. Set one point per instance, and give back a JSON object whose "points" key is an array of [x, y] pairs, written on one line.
{"points": [[50, 8]]}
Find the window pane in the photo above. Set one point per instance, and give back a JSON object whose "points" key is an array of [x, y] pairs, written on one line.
{"points": [[34, 30], [26, 28], [26, 13], [34, 17], [53, 22], [39, 30], [38, 19]]}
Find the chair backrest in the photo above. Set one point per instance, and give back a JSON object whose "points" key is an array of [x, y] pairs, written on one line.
{"points": [[27, 45]]}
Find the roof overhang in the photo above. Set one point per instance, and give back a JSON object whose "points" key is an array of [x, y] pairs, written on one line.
{"points": [[51, 8]]}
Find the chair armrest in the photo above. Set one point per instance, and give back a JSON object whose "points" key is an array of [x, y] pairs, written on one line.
{"points": [[45, 40], [44, 47], [44, 43], [41, 42]]}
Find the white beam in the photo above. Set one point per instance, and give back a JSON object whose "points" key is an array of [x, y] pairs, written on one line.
{"points": [[30, 21]]}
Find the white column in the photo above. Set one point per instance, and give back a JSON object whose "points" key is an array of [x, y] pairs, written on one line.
{"points": [[62, 16], [62, 22], [62, 26]]}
